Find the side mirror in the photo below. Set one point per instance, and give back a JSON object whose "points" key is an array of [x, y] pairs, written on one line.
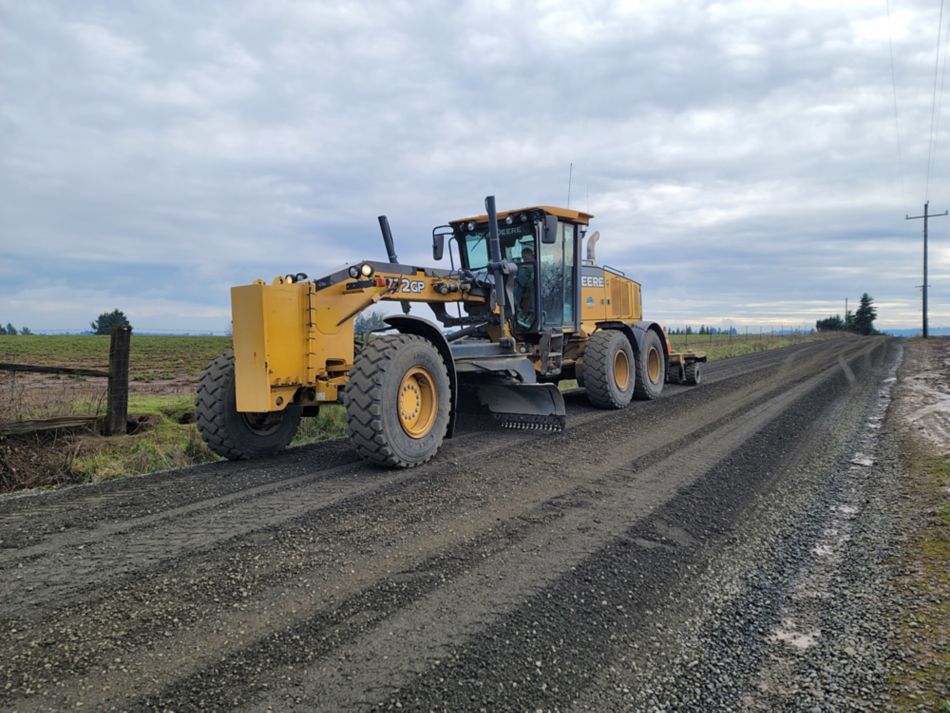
{"points": [[439, 234], [549, 236]]}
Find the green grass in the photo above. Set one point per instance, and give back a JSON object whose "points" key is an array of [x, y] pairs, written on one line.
{"points": [[171, 444], [166, 444], [173, 408], [329, 423]]}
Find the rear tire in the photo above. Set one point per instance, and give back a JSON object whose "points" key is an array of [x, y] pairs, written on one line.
{"points": [[693, 374], [675, 374], [234, 435], [607, 371], [651, 368], [398, 400]]}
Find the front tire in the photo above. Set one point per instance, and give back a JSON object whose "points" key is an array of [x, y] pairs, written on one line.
{"points": [[607, 371], [398, 400], [235, 435]]}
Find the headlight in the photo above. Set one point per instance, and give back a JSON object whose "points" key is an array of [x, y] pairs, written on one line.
{"points": [[471, 227], [366, 270], [354, 271], [509, 220]]}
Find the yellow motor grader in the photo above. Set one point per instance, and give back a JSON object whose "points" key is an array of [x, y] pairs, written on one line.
{"points": [[528, 312]]}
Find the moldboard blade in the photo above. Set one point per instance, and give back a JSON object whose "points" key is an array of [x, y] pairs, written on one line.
{"points": [[525, 406]]}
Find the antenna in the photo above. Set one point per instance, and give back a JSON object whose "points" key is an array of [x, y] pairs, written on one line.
{"points": [[570, 179]]}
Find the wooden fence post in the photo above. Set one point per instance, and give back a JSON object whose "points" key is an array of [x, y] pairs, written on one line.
{"points": [[117, 406]]}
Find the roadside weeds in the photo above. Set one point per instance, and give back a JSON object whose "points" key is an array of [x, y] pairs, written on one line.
{"points": [[922, 680], [169, 439]]}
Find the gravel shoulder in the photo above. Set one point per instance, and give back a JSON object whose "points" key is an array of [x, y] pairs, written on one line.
{"points": [[723, 547]]}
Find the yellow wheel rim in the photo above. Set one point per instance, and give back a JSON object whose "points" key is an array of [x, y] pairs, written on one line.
{"points": [[654, 365], [621, 370], [418, 402]]}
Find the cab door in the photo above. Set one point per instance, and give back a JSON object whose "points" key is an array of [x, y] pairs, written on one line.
{"points": [[557, 266]]}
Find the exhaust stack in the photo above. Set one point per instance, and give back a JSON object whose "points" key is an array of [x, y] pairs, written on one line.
{"points": [[591, 243], [388, 239]]}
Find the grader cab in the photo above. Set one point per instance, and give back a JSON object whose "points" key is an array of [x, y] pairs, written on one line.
{"points": [[525, 310]]}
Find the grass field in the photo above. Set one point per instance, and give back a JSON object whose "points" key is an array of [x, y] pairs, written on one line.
{"points": [[725, 346], [164, 371], [151, 359]]}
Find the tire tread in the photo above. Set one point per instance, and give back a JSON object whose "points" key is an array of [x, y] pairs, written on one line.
{"points": [[364, 407], [598, 371]]}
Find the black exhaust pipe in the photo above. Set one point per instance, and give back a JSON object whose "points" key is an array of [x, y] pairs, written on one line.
{"points": [[391, 251], [494, 247], [388, 239]]}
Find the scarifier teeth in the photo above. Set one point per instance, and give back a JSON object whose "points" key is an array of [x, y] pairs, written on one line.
{"points": [[522, 422]]}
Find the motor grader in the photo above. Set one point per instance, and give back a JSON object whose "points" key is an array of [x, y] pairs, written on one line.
{"points": [[520, 312]]}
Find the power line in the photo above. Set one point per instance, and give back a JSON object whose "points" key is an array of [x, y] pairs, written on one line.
{"points": [[933, 106], [943, 76], [897, 123]]}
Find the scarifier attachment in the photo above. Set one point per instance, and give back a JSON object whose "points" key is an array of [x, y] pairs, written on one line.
{"points": [[534, 407], [521, 422]]}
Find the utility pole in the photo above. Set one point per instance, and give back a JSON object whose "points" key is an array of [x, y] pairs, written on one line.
{"points": [[926, 216]]}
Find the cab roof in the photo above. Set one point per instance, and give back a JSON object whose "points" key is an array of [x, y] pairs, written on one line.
{"points": [[573, 216]]}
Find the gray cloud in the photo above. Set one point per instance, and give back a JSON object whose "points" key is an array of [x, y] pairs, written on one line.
{"points": [[740, 157]]}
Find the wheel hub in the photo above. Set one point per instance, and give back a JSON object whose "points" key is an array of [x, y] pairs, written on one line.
{"points": [[654, 365], [621, 370], [263, 424], [417, 402]]}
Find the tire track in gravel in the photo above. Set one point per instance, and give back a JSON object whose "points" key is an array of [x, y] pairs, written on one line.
{"points": [[659, 418], [125, 498], [74, 562], [716, 634], [74, 507], [272, 612], [563, 647], [437, 622], [71, 562]]}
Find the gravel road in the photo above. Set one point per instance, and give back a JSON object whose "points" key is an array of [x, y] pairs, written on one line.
{"points": [[723, 547]]}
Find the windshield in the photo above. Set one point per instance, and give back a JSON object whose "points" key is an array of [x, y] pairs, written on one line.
{"points": [[513, 238]]}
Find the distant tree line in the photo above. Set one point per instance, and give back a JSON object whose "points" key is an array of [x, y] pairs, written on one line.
{"points": [[11, 330], [859, 322], [103, 324], [703, 329]]}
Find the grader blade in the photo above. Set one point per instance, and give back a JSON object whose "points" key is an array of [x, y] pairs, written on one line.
{"points": [[534, 407]]}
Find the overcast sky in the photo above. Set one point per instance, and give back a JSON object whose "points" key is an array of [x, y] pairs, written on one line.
{"points": [[741, 158]]}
